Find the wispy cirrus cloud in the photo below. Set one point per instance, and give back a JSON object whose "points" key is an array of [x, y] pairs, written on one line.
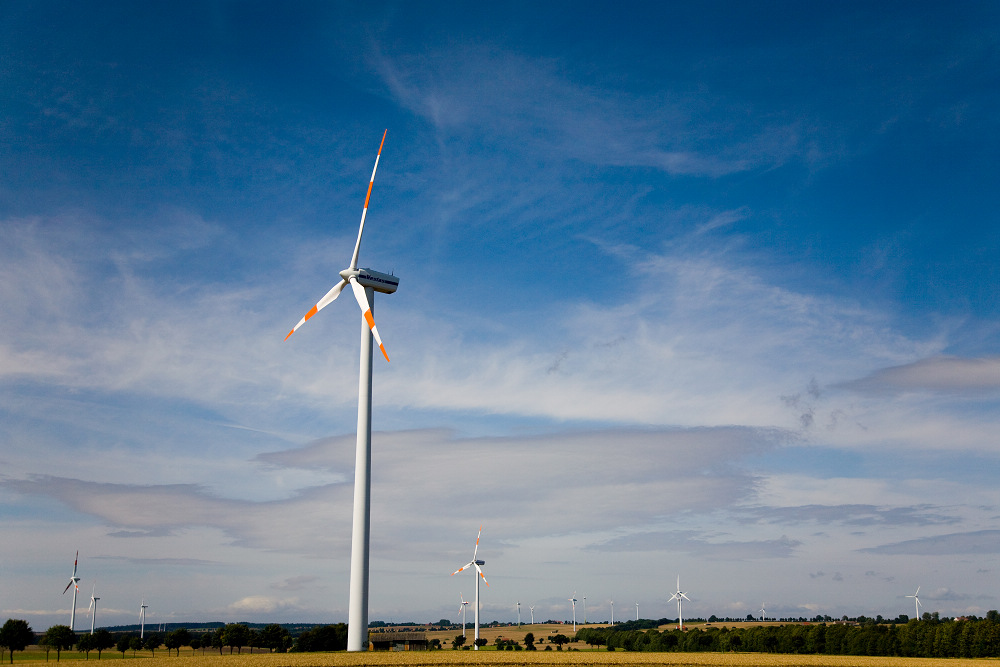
{"points": [[958, 544]]}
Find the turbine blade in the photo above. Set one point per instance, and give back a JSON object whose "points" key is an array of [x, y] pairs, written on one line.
{"points": [[480, 571], [359, 294], [67, 586], [329, 298], [462, 568], [476, 552], [364, 211]]}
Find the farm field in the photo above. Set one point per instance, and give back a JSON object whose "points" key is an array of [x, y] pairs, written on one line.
{"points": [[512, 658]]}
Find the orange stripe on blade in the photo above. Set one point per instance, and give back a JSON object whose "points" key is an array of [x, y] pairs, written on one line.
{"points": [[369, 319]]}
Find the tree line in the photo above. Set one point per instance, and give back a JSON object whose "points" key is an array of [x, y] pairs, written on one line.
{"points": [[929, 637], [17, 635]]}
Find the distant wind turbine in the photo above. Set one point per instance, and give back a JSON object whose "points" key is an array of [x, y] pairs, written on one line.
{"points": [[93, 607], [518, 614], [612, 612], [916, 602], [679, 595], [637, 611], [364, 283], [461, 608], [475, 562], [532, 608], [142, 618], [763, 612], [585, 610], [74, 581], [573, 600]]}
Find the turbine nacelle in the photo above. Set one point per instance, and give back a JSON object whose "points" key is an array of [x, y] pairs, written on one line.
{"points": [[385, 283]]}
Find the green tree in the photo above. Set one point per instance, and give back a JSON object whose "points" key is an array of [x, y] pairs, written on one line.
{"points": [[124, 644], [135, 643], [58, 637], [152, 641], [176, 639], [102, 640], [481, 642], [275, 637], [458, 641], [85, 643], [235, 635], [15, 635], [529, 641]]}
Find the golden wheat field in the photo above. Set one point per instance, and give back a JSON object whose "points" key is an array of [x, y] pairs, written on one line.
{"points": [[541, 658]]}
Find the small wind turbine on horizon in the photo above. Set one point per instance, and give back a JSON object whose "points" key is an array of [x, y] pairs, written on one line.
{"points": [[573, 600], [763, 612], [532, 608], [637, 611], [364, 283], [585, 610], [74, 581], [612, 612], [142, 618], [679, 595], [461, 608], [479, 573], [916, 602], [519, 614], [93, 607]]}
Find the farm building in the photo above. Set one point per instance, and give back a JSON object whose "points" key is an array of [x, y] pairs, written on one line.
{"points": [[398, 641]]}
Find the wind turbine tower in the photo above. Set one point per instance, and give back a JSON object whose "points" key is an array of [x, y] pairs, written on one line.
{"points": [[612, 612], [916, 602], [585, 610], [462, 609], [679, 595], [475, 562], [637, 611], [142, 618], [74, 581], [518, 614], [573, 600], [763, 612], [93, 607], [532, 608], [364, 283]]}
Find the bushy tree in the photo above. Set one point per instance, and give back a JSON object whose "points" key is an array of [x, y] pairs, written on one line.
{"points": [[275, 638], [458, 641], [101, 641], [235, 635], [124, 644], [324, 638], [16, 635], [85, 643], [58, 637]]}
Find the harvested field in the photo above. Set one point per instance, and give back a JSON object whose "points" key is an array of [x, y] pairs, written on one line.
{"points": [[513, 658]]}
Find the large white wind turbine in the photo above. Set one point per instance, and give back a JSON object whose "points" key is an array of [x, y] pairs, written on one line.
{"points": [[142, 618], [573, 600], [461, 608], [916, 602], [479, 573], [74, 581], [364, 283], [679, 595], [92, 609]]}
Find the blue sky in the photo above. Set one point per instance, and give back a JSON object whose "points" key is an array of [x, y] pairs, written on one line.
{"points": [[705, 290]]}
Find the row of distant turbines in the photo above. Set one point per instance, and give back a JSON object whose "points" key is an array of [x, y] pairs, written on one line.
{"points": [[74, 582]]}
